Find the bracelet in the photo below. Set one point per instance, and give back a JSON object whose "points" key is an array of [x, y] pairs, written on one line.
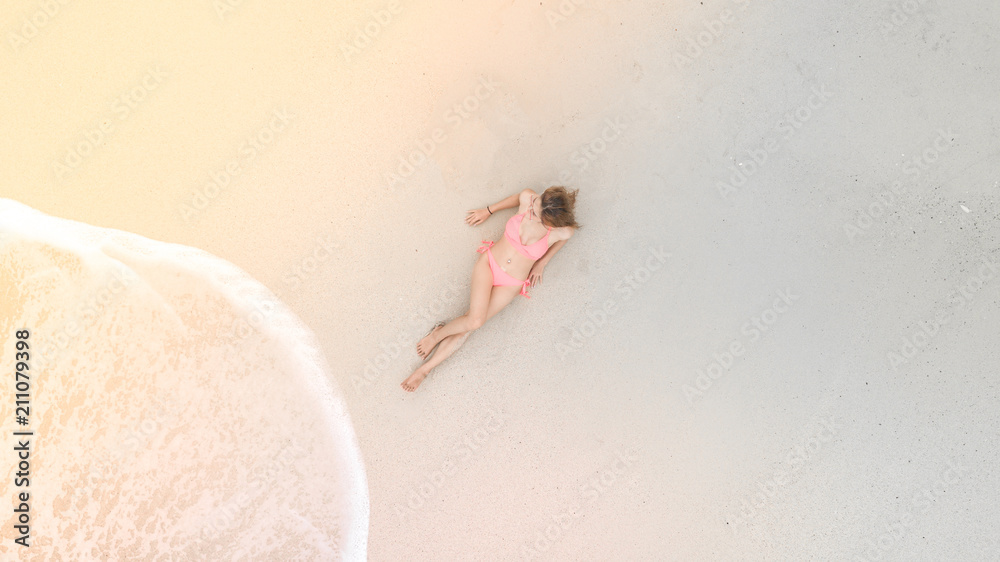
{"points": [[488, 209]]}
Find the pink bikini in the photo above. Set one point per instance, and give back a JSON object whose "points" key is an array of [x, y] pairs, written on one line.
{"points": [[531, 251]]}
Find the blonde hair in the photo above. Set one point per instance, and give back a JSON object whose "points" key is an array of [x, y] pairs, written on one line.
{"points": [[557, 206]]}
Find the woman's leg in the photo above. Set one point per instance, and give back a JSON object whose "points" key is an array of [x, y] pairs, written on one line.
{"points": [[447, 346], [499, 298], [482, 284]]}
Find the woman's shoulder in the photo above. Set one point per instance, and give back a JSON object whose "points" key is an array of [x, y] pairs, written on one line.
{"points": [[561, 233], [524, 200]]}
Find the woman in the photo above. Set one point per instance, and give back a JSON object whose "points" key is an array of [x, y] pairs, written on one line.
{"points": [[541, 226]]}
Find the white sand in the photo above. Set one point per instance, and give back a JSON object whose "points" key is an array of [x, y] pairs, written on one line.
{"points": [[874, 481]]}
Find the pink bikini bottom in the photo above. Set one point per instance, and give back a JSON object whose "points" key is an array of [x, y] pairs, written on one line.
{"points": [[501, 277]]}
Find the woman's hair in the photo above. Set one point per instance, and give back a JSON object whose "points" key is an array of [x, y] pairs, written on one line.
{"points": [[557, 206]]}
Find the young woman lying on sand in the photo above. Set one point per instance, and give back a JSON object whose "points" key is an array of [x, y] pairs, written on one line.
{"points": [[542, 225]]}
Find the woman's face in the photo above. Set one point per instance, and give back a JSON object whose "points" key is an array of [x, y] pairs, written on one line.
{"points": [[535, 211]]}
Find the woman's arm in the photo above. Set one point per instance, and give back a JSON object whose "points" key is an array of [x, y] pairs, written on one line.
{"points": [[535, 275], [548, 254], [476, 216], [509, 202]]}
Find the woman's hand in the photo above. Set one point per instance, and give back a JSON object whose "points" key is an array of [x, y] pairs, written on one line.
{"points": [[535, 275], [476, 216]]}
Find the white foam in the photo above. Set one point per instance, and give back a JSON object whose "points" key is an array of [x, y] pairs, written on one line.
{"points": [[179, 409]]}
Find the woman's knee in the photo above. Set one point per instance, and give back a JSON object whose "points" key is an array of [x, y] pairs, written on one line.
{"points": [[475, 321]]}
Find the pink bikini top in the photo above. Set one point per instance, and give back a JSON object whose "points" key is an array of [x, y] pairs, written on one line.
{"points": [[531, 251]]}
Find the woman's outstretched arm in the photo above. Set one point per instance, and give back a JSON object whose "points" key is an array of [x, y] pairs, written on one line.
{"points": [[476, 216], [535, 275]]}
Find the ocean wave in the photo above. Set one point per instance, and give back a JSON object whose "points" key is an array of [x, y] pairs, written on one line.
{"points": [[179, 410]]}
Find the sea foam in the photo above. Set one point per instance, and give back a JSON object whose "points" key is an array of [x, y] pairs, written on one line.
{"points": [[179, 411]]}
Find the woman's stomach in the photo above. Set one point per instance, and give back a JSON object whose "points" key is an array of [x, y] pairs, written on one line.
{"points": [[519, 265]]}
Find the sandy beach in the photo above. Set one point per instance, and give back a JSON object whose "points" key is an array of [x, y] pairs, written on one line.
{"points": [[769, 340]]}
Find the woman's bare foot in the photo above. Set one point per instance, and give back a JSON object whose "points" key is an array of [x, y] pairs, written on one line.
{"points": [[426, 345], [414, 380]]}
